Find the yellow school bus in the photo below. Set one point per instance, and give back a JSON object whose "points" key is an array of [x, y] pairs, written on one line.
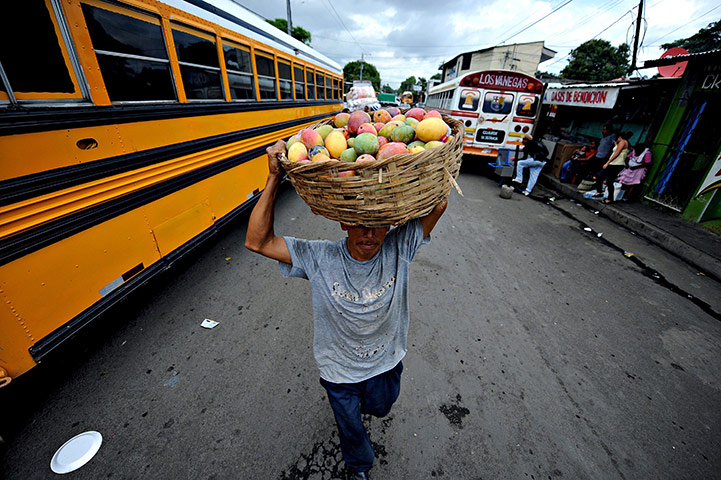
{"points": [[130, 131]]}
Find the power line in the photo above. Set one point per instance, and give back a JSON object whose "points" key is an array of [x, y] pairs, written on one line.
{"points": [[599, 33], [603, 8], [685, 24], [341, 22], [543, 17]]}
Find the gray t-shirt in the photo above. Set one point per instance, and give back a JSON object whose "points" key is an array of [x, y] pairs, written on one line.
{"points": [[360, 309]]}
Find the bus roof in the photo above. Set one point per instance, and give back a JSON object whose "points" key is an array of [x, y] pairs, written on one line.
{"points": [[235, 17]]}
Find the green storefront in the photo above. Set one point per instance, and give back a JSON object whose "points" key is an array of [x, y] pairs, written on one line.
{"points": [[686, 172]]}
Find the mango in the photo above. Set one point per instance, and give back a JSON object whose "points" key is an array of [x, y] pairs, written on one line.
{"points": [[351, 142], [393, 111], [365, 158], [433, 144], [390, 149], [366, 143], [403, 133], [381, 116], [356, 119], [379, 126], [411, 121], [310, 138], [291, 141], [324, 130], [348, 155], [432, 129], [347, 173], [382, 141], [416, 149], [318, 153], [417, 113], [367, 128], [416, 143], [400, 118], [433, 114], [297, 152], [388, 128], [341, 119], [335, 143]]}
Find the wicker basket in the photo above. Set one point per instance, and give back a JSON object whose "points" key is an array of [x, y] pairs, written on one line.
{"points": [[381, 192]]}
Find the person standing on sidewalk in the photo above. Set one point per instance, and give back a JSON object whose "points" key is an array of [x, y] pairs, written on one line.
{"points": [[535, 156], [359, 288], [613, 167], [605, 148]]}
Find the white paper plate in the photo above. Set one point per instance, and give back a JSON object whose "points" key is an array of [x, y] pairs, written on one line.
{"points": [[76, 452]]}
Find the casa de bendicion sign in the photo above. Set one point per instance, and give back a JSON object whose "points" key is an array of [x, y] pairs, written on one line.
{"points": [[593, 97]]}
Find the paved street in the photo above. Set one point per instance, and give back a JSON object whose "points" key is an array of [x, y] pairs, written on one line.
{"points": [[537, 350]]}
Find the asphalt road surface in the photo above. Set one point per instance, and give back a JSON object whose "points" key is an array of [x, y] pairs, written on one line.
{"points": [[537, 350]]}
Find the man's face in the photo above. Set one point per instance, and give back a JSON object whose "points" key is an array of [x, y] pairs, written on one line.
{"points": [[604, 131], [524, 142], [363, 242]]}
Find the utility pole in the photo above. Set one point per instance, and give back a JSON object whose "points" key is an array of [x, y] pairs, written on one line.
{"points": [[635, 39], [290, 21], [361, 72]]}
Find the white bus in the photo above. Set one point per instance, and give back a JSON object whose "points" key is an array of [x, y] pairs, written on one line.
{"points": [[497, 107]]}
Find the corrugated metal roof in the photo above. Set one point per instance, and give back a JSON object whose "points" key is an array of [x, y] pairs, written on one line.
{"points": [[659, 62], [587, 85]]}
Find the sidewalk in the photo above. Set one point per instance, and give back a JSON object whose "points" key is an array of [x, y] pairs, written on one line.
{"points": [[692, 243]]}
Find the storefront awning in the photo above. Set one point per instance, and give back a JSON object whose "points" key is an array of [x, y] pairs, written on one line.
{"points": [[583, 95]]}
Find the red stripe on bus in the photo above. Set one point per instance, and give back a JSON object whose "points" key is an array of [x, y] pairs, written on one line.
{"points": [[458, 113], [522, 120]]}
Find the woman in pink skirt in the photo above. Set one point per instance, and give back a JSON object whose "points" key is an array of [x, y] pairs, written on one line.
{"points": [[636, 166]]}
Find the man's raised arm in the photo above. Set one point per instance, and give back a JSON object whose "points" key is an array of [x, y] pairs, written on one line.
{"points": [[430, 220], [261, 237]]}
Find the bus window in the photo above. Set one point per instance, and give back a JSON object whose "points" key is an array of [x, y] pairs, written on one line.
{"points": [[299, 83], [285, 82], [199, 66], [32, 54], [320, 85], [131, 54], [527, 106], [240, 71], [266, 76], [328, 88], [499, 103], [311, 84], [468, 100], [336, 89]]}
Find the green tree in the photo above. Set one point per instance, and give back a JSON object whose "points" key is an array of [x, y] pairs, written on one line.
{"points": [[407, 84], [351, 72], [706, 39], [597, 60], [387, 89], [436, 76], [299, 33]]}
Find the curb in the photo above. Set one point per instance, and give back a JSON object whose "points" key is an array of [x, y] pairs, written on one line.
{"points": [[699, 259]]}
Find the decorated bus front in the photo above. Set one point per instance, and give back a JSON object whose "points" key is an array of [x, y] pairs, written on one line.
{"points": [[498, 107]]}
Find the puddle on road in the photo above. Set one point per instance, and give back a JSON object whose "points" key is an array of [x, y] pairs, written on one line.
{"points": [[647, 271]]}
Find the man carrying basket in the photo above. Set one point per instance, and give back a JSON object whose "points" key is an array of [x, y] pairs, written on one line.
{"points": [[360, 308]]}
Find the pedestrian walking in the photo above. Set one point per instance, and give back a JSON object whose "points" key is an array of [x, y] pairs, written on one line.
{"points": [[361, 315]]}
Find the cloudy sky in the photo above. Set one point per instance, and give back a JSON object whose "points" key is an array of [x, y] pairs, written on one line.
{"points": [[413, 38]]}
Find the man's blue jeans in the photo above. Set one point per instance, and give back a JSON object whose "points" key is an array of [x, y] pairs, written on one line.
{"points": [[349, 401], [534, 167]]}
